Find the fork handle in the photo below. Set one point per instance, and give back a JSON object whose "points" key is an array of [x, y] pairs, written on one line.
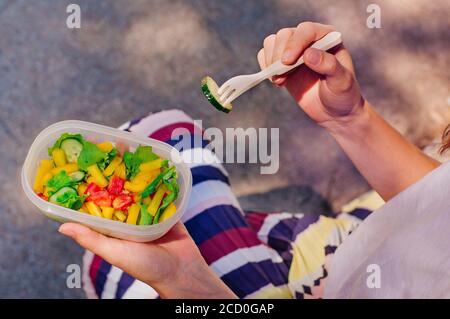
{"points": [[277, 68]]}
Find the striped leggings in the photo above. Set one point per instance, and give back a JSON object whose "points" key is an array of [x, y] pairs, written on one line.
{"points": [[258, 255]]}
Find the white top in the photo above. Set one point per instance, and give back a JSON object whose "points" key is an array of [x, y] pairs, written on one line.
{"points": [[402, 250]]}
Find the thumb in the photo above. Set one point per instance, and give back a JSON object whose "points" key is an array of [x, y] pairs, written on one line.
{"points": [[338, 78]]}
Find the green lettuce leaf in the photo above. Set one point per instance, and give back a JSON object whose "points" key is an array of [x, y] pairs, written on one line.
{"points": [[142, 154], [70, 200], [174, 189], [90, 155], [108, 158], [60, 180], [164, 176], [145, 218]]}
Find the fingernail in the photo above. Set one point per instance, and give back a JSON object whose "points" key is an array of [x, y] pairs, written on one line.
{"points": [[313, 56], [68, 232], [287, 56]]}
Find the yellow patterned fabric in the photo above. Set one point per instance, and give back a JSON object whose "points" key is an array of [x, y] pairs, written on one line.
{"points": [[312, 249], [306, 244]]}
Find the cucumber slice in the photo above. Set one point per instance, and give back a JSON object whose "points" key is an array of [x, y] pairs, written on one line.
{"points": [[69, 190], [209, 89], [77, 176], [72, 148]]}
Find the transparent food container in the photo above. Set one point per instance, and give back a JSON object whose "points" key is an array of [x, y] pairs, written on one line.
{"points": [[96, 134]]}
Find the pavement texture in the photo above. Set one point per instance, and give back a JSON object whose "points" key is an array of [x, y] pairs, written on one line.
{"points": [[134, 57]]}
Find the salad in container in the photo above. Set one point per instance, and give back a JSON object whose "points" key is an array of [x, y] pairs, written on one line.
{"points": [[114, 182]]}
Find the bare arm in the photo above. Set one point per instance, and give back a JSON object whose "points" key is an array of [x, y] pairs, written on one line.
{"points": [[327, 91], [384, 157]]}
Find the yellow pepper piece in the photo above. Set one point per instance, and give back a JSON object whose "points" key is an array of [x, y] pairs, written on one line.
{"points": [[46, 193], [135, 187], [81, 189], [97, 175], [147, 200], [140, 177], [83, 209], [93, 209], [121, 171], [133, 214], [105, 147], [107, 212], [59, 157], [146, 177], [115, 162], [44, 167], [137, 198], [168, 212], [120, 215], [156, 200], [150, 166], [69, 168], [46, 178]]}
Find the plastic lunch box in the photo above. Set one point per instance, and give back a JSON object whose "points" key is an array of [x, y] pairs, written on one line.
{"points": [[99, 133]]}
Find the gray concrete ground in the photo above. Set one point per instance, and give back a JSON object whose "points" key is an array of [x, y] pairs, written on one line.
{"points": [[134, 57]]}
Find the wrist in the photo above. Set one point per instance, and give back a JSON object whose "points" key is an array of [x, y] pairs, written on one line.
{"points": [[353, 125], [195, 281]]}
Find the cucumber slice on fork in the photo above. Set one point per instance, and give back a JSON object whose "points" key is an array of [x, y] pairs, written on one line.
{"points": [[209, 89]]}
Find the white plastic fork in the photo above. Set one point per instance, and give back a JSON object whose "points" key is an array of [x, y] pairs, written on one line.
{"points": [[240, 84]]}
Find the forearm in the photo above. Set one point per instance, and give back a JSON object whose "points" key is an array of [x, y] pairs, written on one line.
{"points": [[381, 154]]}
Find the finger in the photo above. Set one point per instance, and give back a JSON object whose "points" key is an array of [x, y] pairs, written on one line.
{"points": [[281, 40], [262, 64], [279, 80], [303, 36], [261, 59], [108, 248], [338, 78], [343, 56], [268, 45]]}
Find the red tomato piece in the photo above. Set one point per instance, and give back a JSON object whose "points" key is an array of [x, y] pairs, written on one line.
{"points": [[92, 188], [101, 198], [122, 202], [43, 196], [115, 186]]}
